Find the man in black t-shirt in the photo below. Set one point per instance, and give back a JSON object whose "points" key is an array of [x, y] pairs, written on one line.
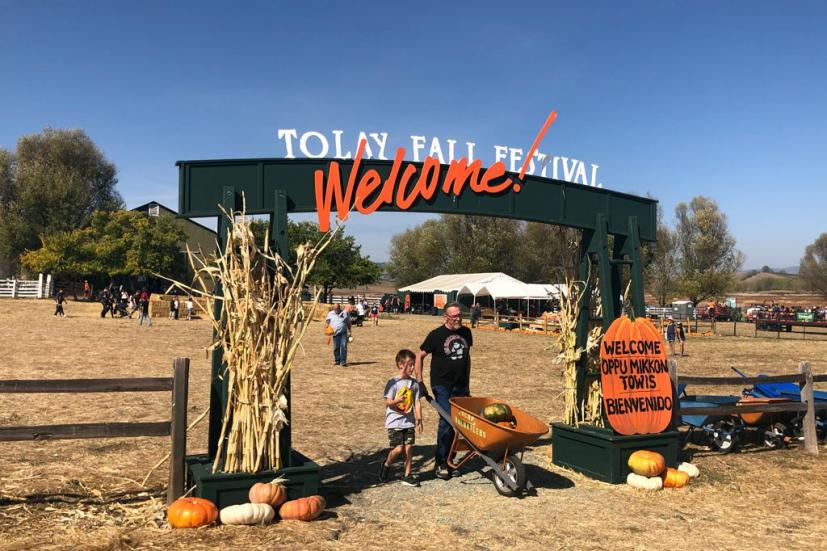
{"points": [[450, 349]]}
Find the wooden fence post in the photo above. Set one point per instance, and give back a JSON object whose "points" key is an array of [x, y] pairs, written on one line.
{"points": [[178, 428], [673, 374], [810, 437]]}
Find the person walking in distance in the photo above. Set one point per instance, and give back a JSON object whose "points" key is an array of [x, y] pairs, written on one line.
{"points": [[143, 303], [671, 331], [59, 300], [339, 322], [450, 348], [681, 335], [476, 313]]}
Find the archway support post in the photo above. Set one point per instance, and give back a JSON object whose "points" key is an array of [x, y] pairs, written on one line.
{"points": [[301, 474]]}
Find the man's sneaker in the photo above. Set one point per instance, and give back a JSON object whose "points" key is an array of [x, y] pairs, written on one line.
{"points": [[383, 472], [411, 480], [443, 472]]}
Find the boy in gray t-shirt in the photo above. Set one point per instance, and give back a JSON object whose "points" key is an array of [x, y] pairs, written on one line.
{"points": [[403, 413]]}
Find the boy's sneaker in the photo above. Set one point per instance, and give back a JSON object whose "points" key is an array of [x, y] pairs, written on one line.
{"points": [[443, 472], [383, 472], [411, 480]]}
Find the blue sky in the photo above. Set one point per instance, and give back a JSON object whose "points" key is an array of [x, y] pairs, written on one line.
{"points": [[672, 99]]}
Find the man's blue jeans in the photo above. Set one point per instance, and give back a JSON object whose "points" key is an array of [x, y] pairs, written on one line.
{"points": [[444, 433], [340, 348]]}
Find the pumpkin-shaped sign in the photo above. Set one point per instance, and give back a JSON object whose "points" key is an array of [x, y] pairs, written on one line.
{"points": [[634, 375]]}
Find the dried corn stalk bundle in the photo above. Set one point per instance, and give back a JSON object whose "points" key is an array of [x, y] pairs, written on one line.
{"points": [[260, 328], [569, 354]]}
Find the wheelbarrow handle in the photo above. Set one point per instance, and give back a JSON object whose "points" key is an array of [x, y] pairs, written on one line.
{"points": [[442, 413], [741, 373]]}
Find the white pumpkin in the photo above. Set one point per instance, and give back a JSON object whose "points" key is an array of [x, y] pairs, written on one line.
{"points": [[247, 513], [689, 469], [644, 482]]}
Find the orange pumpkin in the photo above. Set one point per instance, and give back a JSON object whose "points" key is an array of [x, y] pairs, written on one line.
{"points": [[272, 493], [634, 377], [673, 478], [191, 512], [305, 508], [646, 463]]}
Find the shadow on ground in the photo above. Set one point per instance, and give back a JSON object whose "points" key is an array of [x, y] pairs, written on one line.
{"points": [[360, 472]]}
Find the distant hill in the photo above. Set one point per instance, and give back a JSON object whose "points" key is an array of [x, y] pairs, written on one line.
{"points": [[768, 281], [788, 270]]}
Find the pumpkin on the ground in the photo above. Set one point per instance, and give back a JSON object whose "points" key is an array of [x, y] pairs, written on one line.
{"points": [[191, 512], [305, 508], [497, 413], [644, 482], [272, 493], [673, 478], [689, 469], [247, 513], [646, 463]]}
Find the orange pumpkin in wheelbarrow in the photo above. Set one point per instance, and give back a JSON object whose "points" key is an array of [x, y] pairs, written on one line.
{"points": [[495, 442]]}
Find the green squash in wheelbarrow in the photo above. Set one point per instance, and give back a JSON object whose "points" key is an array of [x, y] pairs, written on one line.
{"points": [[497, 413]]}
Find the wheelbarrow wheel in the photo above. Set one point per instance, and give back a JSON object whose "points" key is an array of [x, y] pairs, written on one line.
{"points": [[723, 436], [775, 436], [515, 471]]}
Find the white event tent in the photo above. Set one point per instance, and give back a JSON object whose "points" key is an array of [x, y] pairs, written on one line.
{"points": [[496, 285]]}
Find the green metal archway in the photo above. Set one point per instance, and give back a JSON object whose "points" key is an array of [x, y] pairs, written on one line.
{"points": [[281, 186]]}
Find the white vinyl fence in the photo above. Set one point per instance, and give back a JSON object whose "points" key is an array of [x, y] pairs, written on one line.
{"points": [[42, 287]]}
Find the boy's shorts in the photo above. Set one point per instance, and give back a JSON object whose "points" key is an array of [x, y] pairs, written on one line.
{"points": [[401, 437]]}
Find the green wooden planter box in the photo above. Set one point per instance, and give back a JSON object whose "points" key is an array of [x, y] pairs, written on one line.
{"points": [[225, 489], [602, 454]]}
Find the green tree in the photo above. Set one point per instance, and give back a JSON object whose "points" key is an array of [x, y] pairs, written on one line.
{"points": [[661, 272], [458, 244], [474, 244], [116, 243], [546, 253], [52, 183], [418, 253], [813, 266], [707, 257], [341, 264]]}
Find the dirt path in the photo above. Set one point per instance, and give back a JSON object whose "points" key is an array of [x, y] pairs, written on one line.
{"points": [[83, 494]]}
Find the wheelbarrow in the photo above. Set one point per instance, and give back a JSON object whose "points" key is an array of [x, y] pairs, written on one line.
{"points": [[496, 444], [722, 431], [790, 424]]}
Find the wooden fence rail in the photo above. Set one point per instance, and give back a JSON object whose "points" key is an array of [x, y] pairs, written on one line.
{"points": [[176, 428], [804, 378]]}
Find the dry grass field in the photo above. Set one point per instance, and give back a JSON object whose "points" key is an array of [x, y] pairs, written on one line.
{"points": [[85, 494]]}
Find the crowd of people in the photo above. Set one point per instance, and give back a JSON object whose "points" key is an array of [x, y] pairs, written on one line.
{"points": [[775, 311], [123, 303]]}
